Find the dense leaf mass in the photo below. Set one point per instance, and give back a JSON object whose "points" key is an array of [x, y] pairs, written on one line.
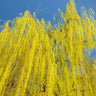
{"points": [[39, 60]]}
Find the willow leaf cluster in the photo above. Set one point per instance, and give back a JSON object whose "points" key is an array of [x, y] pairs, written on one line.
{"points": [[39, 60]]}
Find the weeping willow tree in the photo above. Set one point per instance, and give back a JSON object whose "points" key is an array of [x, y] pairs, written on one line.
{"points": [[39, 60]]}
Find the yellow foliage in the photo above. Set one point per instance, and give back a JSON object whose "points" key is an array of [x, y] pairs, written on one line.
{"points": [[39, 60]]}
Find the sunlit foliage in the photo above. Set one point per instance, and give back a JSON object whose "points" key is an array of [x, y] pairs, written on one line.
{"points": [[39, 60]]}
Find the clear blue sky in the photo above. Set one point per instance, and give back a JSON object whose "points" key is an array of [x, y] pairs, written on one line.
{"points": [[9, 9]]}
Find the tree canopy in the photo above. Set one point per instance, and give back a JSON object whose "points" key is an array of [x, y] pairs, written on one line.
{"points": [[39, 60]]}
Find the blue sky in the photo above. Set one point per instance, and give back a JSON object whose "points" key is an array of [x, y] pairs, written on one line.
{"points": [[9, 9]]}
